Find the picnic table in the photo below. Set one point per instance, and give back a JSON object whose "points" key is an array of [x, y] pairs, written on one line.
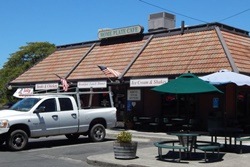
{"points": [[227, 132], [187, 139]]}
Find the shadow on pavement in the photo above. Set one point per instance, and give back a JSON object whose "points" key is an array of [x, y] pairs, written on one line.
{"points": [[173, 156], [52, 142]]}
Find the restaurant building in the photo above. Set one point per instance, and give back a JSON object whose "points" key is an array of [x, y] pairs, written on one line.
{"points": [[149, 59]]}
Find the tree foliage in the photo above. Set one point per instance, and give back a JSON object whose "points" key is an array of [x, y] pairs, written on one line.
{"points": [[19, 62]]}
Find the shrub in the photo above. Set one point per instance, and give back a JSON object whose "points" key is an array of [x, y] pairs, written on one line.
{"points": [[124, 137]]}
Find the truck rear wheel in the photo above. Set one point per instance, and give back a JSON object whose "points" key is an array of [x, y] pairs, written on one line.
{"points": [[97, 133], [17, 140]]}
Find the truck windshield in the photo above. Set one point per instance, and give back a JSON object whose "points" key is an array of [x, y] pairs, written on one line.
{"points": [[25, 104]]}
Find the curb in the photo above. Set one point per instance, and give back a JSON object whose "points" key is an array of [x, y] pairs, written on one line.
{"points": [[92, 161]]}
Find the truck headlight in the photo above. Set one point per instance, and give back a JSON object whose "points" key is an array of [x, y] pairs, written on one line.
{"points": [[4, 123]]}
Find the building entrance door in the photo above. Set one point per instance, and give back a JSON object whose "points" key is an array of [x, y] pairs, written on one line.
{"points": [[120, 103]]}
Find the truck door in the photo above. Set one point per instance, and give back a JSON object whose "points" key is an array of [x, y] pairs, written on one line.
{"points": [[68, 116], [46, 121]]}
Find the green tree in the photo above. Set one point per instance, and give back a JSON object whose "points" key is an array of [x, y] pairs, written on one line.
{"points": [[19, 62]]}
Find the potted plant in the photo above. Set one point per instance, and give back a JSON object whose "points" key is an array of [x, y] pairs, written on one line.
{"points": [[124, 147]]}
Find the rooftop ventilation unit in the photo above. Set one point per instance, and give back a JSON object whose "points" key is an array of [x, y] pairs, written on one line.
{"points": [[159, 21]]}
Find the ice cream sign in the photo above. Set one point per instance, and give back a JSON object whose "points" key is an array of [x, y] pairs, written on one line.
{"points": [[149, 82]]}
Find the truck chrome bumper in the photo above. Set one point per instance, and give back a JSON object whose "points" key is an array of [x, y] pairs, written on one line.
{"points": [[4, 130]]}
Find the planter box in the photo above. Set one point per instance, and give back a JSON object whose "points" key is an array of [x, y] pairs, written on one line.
{"points": [[125, 150]]}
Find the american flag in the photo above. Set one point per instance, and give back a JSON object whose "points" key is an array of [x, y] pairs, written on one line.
{"points": [[109, 72], [64, 83]]}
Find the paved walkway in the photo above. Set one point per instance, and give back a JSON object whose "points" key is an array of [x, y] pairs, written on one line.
{"points": [[147, 157]]}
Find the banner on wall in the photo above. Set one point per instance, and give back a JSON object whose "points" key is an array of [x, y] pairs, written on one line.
{"points": [[47, 86], [92, 84]]}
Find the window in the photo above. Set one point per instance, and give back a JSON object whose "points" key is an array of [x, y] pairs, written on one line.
{"points": [[65, 104], [49, 105], [25, 104]]}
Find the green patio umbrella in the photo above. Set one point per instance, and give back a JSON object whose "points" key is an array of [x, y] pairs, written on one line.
{"points": [[187, 83]]}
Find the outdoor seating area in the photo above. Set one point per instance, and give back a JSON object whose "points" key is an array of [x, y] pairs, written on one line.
{"points": [[189, 147], [204, 153], [223, 125], [165, 124]]}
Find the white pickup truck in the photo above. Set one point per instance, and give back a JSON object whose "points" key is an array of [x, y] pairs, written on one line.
{"points": [[57, 114]]}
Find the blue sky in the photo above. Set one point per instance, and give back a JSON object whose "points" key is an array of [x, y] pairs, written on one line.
{"points": [[71, 21]]}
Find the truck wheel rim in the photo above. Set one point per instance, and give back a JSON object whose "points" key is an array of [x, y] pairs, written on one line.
{"points": [[98, 133], [18, 141]]}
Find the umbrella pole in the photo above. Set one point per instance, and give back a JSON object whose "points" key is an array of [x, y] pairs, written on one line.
{"points": [[188, 107], [177, 106]]}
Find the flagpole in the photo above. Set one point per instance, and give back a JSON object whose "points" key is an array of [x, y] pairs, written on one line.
{"points": [[110, 80], [108, 71]]}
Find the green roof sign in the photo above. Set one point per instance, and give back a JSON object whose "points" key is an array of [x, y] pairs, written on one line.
{"points": [[109, 33]]}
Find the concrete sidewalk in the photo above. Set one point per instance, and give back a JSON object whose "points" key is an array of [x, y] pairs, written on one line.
{"points": [[147, 157]]}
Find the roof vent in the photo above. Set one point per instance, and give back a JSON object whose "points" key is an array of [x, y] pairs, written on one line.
{"points": [[161, 20]]}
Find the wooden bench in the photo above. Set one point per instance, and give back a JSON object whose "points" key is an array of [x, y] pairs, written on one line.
{"points": [[241, 139], [208, 146], [169, 145]]}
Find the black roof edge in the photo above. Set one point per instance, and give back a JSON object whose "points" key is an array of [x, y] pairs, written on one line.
{"points": [[197, 28], [77, 45], [159, 33]]}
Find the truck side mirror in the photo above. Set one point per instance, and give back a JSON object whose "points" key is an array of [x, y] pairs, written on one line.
{"points": [[40, 109]]}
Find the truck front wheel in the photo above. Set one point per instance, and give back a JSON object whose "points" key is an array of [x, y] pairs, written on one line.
{"points": [[17, 140], [97, 133]]}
